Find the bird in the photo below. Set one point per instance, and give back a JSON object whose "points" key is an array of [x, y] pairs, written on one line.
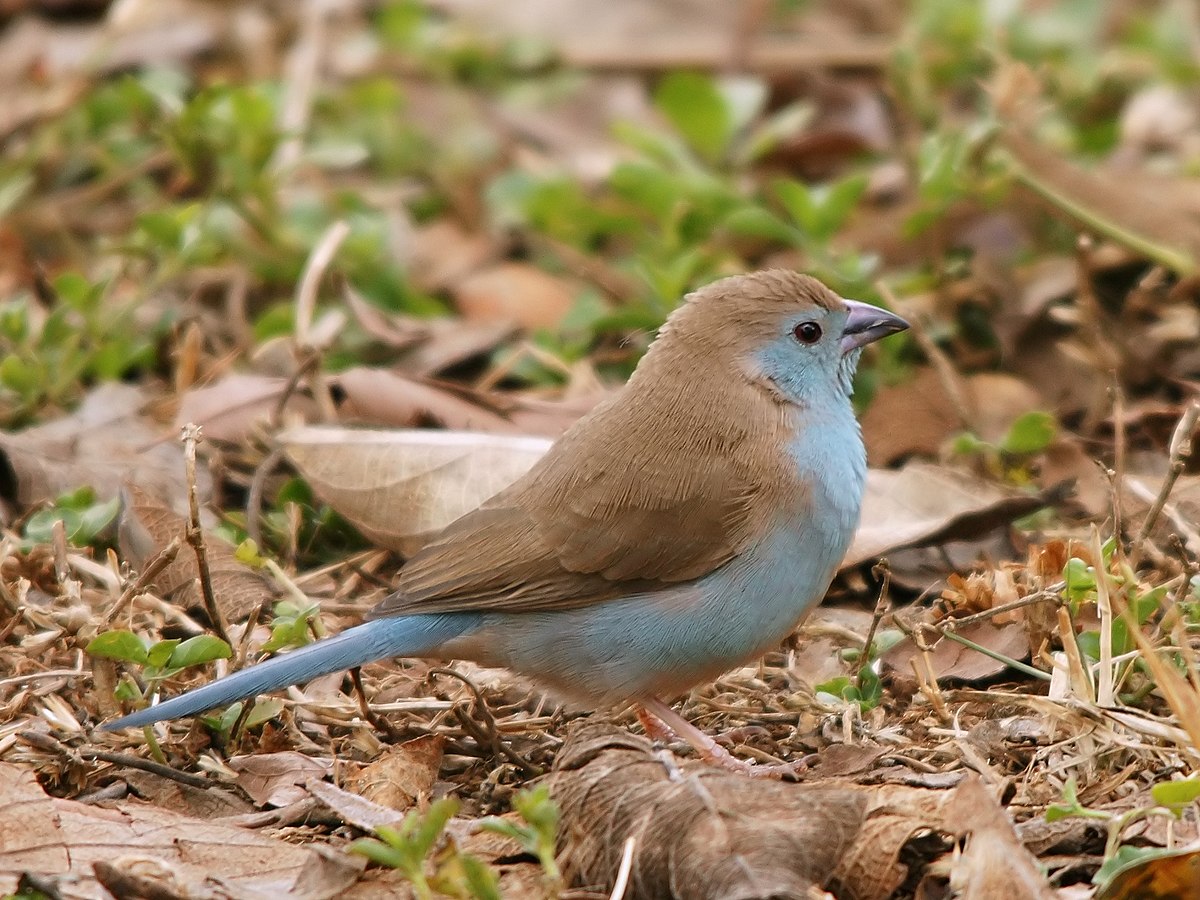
{"points": [[684, 527]]}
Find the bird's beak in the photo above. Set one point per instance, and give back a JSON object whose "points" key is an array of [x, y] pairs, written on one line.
{"points": [[867, 323]]}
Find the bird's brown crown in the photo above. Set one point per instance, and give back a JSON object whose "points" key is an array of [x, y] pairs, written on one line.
{"points": [[736, 313]]}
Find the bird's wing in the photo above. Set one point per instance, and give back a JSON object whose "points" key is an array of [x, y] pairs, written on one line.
{"points": [[622, 504]]}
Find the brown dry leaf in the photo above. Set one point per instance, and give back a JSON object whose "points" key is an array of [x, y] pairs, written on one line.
{"points": [[104, 442], [951, 659], [145, 527], [994, 863], [398, 487], [433, 344], [383, 397], [702, 832], [928, 504], [401, 775], [231, 408], [184, 798], [917, 417], [443, 253], [66, 842], [352, 808], [514, 292], [278, 779]]}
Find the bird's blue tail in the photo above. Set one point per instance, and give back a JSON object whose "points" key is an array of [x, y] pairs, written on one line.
{"points": [[378, 639]]}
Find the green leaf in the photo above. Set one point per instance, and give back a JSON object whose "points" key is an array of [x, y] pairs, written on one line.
{"points": [[122, 645], [481, 880], [378, 853], [756, 222], [1031, 433], [197, 650], [1176, 793], [697, 109], [161, 652]]}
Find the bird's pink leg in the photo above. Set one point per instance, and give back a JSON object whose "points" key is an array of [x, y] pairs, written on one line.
{"points": [[651, 709]]}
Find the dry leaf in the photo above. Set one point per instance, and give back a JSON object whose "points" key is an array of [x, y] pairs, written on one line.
{"points": [[145, 527], [383, 397], [278, 779], [951, 659], [1174, 876], [105, 442], [400, 775], [702, 832], [400, 486], [927, 504], [514, 292], [62, 840], [232, 407]]}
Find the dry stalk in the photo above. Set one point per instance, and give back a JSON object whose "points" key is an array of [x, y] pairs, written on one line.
{"points": [[1180, 451], [1104, 689], [161, 560], [195, 534], [1079, 676]]}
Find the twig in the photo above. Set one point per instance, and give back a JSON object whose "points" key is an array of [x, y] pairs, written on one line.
{"points": [[364, 706], [195, 534], [1174, 260], [46, 742], [1079, 675], [1050, 593], [153, 569], [1104, 681], [254, 496], [300, 78], [306, 301], [882, 604], [1180, 450], [492, 737], [952, 382], [310, 280]]}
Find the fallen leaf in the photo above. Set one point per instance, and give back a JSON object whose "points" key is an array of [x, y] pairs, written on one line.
{"points": [[277, 779], [230, 408], [514, 292], [145, 527], [952, 660], [402, 774], [62, 841], [700, 832], [1164, 876], [105, 442], [927, 504], [443, 253], [398, 487], [383, 397]]}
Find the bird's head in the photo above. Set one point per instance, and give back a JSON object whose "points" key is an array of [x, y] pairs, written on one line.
{"points": [[786, 331]]}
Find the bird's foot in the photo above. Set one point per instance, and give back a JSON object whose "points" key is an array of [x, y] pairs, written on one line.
{"points": [[661, 722]]}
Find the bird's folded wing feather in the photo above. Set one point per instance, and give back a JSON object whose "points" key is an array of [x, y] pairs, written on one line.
{"points": [[609, 512]]}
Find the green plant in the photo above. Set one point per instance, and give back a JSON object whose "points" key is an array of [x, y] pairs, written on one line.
{"points": [[409, 846], [1010, 457], [539, 834], [86, 335], [159, 660], [1170, 799], [85, 519]]}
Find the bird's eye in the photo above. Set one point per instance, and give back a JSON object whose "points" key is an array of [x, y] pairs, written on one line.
{"points": [[807, 332]]}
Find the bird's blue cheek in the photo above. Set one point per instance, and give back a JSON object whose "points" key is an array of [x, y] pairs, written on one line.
{"points": [[788, 366]]}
